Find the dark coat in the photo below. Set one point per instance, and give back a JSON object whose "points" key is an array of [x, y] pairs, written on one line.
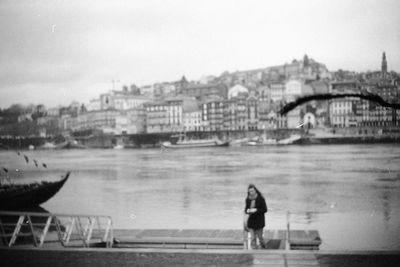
{"points": [[256, 220]]}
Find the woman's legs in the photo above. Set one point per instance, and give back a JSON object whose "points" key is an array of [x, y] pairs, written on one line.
{"points": [[253, 238], [257, 233]]}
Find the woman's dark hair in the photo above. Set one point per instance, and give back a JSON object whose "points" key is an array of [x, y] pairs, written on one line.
{"points": [[255, 188]]}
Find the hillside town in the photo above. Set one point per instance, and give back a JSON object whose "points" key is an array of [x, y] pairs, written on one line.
{"points": [[240, 101]]}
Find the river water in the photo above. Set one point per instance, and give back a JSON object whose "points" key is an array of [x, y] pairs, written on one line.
{"points": [[349, 193]]}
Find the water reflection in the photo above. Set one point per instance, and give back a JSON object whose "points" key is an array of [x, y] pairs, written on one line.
{"points": [[386, 206]]}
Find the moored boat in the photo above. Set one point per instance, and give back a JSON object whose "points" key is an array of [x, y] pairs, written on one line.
{"points": [[181, 141], [19, 196], [262, 142], [293, 139], [194, 143], [69, 144]]}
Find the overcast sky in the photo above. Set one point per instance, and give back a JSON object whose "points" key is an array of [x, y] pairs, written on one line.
{"points": [[53, 52]]}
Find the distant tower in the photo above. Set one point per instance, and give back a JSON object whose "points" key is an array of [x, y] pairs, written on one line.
{"points": [[306, 61], [384, 64]]}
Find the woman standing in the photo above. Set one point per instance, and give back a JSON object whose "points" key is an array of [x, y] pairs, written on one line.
{"points": [[255, 208]]}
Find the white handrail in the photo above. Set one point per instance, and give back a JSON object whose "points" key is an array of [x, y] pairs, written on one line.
{"points": [[84, 226]]}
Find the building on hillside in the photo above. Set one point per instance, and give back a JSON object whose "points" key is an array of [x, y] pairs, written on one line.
{"points": [[264, 93], [319, 87], [94, 104], [235, 114], [273, 75], [343, 112], [237, 90], [252, 113], [293, 89], [168, 115], [375, 115], [266, 115], [348, 86], [192, 116], [122, 100], [25, 117], [156, 117], [204, 91], [130, 122], [294, 118], [306, 68], [277, 91], [281, 122], [100, 119], [165, 116], [147, 90], [213, 115], [53, 112], [206, 79], [165, 89], [309, 120], [192, 121]]}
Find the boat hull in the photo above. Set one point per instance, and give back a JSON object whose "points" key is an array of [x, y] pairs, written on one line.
{"points": [[288, 141], [194, 145], [29, 195]]}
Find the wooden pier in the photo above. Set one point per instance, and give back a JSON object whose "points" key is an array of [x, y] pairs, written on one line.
{"points": [[97, 231], [213, 238]]}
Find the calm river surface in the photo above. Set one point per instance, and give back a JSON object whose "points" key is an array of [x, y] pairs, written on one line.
{"points": [[349, 193]]}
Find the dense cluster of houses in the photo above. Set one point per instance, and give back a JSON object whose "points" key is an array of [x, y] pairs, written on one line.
{"points": [[238, 101]]}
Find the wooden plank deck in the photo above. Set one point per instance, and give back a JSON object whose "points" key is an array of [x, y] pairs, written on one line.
{"points": [[300, 239], [211, 238], [284, 260]]}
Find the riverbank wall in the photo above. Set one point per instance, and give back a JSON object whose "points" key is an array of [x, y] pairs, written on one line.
{"points": [[312, 136]]}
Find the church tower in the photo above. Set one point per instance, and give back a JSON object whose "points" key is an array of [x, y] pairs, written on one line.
{"points": [[384, 64]]}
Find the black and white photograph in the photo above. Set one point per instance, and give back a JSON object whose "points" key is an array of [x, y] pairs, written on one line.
{"points": [[200, 133]]}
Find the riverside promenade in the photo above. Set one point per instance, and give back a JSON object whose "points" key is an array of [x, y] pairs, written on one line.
{"points": [[194, 257], [190, 247], [173, 247]]}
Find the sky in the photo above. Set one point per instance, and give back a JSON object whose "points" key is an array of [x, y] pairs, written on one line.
{"points": [[53, 52]]}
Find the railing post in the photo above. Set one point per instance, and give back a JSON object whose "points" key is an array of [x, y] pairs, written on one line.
{"points": [[16, 230], [3, 239], [107, 230], [87, 224], [32, 231], [70, 230], [58, 227], [112, 233], [45, 230], [288, 230], [90, 230], [109, 233], [80, 231]]}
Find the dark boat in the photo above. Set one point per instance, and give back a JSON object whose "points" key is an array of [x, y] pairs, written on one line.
{"points": [[20, 196], [195, 143], [183, 142]]}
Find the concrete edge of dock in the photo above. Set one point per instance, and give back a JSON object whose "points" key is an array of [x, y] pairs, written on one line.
{"points": [[194, 257], [213, 251]]}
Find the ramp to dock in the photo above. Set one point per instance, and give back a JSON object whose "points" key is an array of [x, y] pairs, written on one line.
{"points": [[38, 228]]}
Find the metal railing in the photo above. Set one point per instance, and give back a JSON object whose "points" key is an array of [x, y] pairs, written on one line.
{"points": [[70, 230]]}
